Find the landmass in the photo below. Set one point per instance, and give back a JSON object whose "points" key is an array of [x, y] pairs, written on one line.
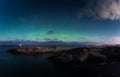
{"points": [[75, 56], [86, 55], [35, 50], [109, 75]]}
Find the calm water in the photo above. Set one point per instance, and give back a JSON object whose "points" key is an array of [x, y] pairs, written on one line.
{"points": [[40, 66]]}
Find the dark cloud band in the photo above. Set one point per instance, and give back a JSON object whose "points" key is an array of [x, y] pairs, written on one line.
{"points": [[50, 32]]}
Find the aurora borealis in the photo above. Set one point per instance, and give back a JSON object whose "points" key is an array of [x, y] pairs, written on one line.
{"points": [[60, 20]]}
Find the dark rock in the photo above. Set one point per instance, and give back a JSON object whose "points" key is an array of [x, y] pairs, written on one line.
{"points": [[79, 56], [111, 52], [34, 50], [87, 55], [109, 75]]}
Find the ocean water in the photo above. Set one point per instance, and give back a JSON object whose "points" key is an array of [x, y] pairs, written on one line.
{"points": [[40, 66]]}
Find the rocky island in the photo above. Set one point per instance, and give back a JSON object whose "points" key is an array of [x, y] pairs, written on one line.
{"points": [[109, 75], [35, 50], [75, 56], [79, 56], [86, 55]]}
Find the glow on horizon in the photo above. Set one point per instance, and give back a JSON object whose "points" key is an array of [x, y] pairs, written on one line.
{"points": [[116, 40]]}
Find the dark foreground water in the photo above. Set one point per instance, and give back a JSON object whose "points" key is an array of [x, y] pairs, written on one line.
{"points": [[40, 66]]}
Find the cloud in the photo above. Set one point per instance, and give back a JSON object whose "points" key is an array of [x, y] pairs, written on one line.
{"points": [[50, 32], [101, 9], [83, 39], [48, 39]]}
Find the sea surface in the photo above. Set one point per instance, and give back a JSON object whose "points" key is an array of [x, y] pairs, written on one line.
{"points": [[40, 66]]}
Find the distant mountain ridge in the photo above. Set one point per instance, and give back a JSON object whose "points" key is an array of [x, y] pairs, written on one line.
{"points": [[45, 43]]}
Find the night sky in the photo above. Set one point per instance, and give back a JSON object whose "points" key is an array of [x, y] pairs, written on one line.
{"points": [[60, 20]]}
